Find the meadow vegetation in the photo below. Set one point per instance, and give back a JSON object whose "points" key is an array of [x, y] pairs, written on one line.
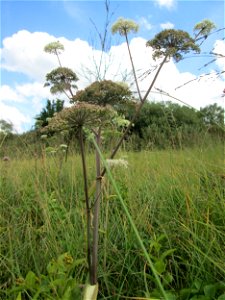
{"points": [[175, 198], [146, 224]]}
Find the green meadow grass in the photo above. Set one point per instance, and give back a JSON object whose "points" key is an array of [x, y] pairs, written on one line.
{"points": [[175, 198]]}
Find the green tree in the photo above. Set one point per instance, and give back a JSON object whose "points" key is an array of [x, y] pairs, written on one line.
{"points": [[212, 115], [6, 127], [48, 112]]}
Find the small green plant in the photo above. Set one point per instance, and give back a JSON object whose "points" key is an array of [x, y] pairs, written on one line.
{"points": [[202, 291], [58, 284]]}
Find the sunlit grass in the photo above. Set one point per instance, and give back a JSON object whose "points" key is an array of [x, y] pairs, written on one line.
{"points": [[178, 194]]}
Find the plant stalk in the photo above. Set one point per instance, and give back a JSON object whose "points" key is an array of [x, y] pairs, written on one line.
{"points": [[133, 68], [132, 224], [96, 212], [139, 107], [88, 211]]}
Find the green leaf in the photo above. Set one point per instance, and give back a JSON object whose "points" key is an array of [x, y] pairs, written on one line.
{"points": [[167, 253], [167, 278], [170, 296], [198, 284], [160, 266], [210, 290], [200, 297], [221, 297], [52, 267], [80, 261], [67, 294], [19, 296], [31, 280], [185, 293]]}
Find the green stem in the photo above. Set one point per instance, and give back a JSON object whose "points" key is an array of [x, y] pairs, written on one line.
{"points": [[96, 212], [133, 68], [88, 211], [137, 113], [133, 226]]}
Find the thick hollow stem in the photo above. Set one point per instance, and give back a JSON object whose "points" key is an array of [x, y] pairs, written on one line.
{"points": [[88, 212], [96, 212]]}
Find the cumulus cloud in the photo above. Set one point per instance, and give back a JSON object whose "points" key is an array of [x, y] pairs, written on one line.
{"points": [[167, 25], [13, 115], [29, 96], [23, 52], [166, 3]]}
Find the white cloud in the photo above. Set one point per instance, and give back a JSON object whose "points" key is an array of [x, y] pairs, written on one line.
{"points": [[166, 3], [219, 50], [9, 94], [14, 116], [24, 47], [30, 97], [23, 52], [167, 25], [145, 23]]}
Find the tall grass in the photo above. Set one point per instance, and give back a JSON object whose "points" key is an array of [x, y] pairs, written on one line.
{"points": [[175, 198]]}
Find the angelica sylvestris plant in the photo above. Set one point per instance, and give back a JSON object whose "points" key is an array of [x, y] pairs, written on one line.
{"points": [[91, 113], [87, 118]]}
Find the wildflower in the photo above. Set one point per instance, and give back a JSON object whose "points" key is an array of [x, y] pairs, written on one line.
{"points": [[63, 146], [117, 162]]}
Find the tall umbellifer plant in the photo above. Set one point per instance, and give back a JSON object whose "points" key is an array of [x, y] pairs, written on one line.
{"points": [[104, 96], [166, 45], [54, 48], [79, 119], [169, 43], [61, 79]]}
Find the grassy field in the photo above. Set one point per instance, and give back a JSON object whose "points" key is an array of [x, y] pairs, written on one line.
{"points": [[175, 198]]}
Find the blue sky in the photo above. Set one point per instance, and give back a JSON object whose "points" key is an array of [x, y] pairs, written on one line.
{"points": [[69, 22]]}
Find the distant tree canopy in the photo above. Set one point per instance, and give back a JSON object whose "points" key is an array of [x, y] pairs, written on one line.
{"points": [[6, 127], [212, 115], [166, 124], [48, 112]]}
